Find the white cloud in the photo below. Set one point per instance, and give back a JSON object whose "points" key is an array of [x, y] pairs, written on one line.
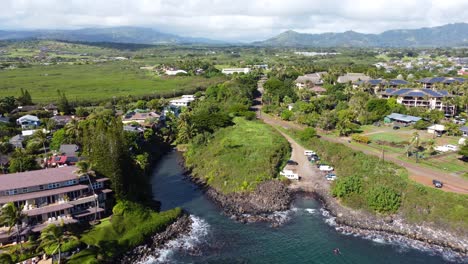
{"points": [[236, 20]]}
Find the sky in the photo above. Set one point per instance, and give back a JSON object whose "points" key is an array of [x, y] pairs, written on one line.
{"points": [[233, 20]]}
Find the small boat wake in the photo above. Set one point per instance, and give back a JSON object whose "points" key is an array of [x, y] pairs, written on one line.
{"points": [[188, 243]]}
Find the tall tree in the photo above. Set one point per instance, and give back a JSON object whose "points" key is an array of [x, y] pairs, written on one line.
{"points": [[12, 217], [24, 98], [85, 170], [54, 235], [63, 104]]}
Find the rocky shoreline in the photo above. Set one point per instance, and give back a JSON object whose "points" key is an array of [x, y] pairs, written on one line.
{"points": [[392, 228], [181, 226]]}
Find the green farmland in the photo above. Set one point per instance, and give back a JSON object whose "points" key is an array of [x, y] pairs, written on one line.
{"points": [[95, 82]]}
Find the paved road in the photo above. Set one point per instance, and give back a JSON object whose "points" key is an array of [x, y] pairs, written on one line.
{"points": [[423, 175]]}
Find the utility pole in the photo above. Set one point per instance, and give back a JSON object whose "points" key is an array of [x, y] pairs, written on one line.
{"points": [[383, 154]]}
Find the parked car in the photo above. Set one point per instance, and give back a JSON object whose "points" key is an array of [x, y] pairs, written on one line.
{"points": [[330, 177], [396, 127], [451, 147], [309, 152], [325, 168], [437, 184], [292, 162]]}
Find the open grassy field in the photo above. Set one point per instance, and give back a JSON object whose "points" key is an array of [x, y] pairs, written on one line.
{"points": [[94, 82], [239, 157]]}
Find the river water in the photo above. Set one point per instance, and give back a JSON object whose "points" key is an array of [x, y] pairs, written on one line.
{"points": [[307, 236]]}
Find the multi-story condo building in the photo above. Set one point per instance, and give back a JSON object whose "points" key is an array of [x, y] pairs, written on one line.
{"points": [[422, 98], [53, 196], [428, 83]]}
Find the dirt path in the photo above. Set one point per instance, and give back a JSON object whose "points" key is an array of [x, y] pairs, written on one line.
{"points": [[311, 176]]}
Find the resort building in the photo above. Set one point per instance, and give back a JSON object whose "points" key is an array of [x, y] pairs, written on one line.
{"points": [[53, 196], [380, 83], [428, 83], [426, 98], [235, 70]]}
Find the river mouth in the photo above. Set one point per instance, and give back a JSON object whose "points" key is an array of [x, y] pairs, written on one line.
{"points": [[307, 233]]}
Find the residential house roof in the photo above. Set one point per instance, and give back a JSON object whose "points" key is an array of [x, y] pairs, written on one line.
{"points": [[27, 118], [375, 82], [135, 116], [17, 141], [69, 149], [416, 93], [62, 120], [36, 177], [403, 118], [437, 127], [50, 107], [311, 77], [4, 119], [318, 89], [352, 77], [25, 108], [444, 80], [464, 129]]}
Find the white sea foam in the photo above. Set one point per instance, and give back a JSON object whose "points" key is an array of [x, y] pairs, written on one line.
{"points": [[310, 210], [329, 219], [189, 242]]}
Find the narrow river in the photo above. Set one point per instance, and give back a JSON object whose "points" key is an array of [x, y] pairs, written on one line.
{"points": [[307, 236]]}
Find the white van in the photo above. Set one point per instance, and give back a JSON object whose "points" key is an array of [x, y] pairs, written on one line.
{"points": [[325, 168], [309, 152]]}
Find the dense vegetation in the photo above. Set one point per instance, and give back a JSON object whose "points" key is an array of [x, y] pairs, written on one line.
{"points": [[366, 182], [130, 224]]}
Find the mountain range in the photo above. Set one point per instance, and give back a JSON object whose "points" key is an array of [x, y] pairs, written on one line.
{"points": [[450, 35]]}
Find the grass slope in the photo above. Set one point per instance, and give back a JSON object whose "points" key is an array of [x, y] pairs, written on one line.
{"points": [[130, 225], [94, 82], [239, 157]]}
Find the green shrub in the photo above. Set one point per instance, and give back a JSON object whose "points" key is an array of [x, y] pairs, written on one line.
{"points": [[383, 199], [307, 133], [360, 138], [345, 186]]}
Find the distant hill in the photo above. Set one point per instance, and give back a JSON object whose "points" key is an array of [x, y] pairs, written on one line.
{"points": [[444, 36], [135, 35]]}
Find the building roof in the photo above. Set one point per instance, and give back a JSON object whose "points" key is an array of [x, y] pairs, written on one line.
{"points": [[437, 127], [133, 116], [382, 82], [318, 89], [464, 129], [4, 119], [444, 80], [33, 195], [403, 118], [62, 119], [352, 77], [28, 118], [311, 77], [416, 93], [48, 209], [69, 149], [36, 177]]}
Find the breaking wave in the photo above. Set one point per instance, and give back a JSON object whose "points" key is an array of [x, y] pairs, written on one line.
{"points": [[188, 243]]}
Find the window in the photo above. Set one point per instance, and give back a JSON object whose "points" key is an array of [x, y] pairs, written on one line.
{"points": [[53, 185], [25, 190], [71, 182], [12, 192], [41, 187]]}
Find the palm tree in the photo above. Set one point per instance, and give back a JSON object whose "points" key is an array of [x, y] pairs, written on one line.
{"points": [[12, 217], [72, 129], [415, 143], [85, 169], [39, 137], [430, 145], [54, 235]]}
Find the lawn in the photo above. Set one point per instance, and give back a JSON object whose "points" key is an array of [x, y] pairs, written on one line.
{"points": [[94, 82], [239, 157]]}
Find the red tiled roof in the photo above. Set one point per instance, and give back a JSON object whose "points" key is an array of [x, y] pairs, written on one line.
{"points": [[33, 195], [37, 177]]}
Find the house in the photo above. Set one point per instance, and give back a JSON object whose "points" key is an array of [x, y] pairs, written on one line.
{"points": [[184, 101], [51, 108], [426, 98], [17, 141], [429, 83], [310, 80], [134, 129], [229, 71], [318, 90], [436, 129], [25, 108], [404, 119], [62, 120], [4, 119], [28, 121], [175, 72], [141, 117], [70, 150], [464, 130], [463, 71], [53, 196], [352, 78], [30, 132]]}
